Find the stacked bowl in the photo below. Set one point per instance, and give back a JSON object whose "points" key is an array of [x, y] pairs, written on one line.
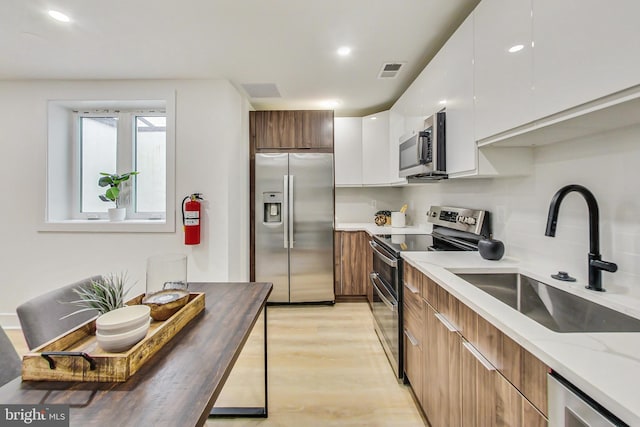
{"points": [[122, 328]]}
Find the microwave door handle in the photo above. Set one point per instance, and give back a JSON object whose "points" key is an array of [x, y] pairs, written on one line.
{"points": [[419, 149]]}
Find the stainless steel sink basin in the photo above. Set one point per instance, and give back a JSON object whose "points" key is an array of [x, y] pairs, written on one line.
{"points": [[553, 308]]}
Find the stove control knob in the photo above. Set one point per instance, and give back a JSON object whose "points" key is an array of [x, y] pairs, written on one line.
{"points": [[460, 219], [470, 220]]}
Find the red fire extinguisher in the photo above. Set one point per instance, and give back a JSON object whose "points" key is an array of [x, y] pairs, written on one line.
{"points": [[191, 218]]}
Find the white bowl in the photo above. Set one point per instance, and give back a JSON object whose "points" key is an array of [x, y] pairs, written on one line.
{"points": [[123, 319], [121, 342]]}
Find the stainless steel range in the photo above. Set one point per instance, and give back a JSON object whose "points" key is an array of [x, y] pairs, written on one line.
{"points": [[454, 229]]}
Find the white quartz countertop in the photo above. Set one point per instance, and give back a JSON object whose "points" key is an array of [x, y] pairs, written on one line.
{"points": [[605, 366], [374, 229]]}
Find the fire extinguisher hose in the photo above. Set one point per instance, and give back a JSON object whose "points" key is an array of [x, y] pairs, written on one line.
{"points": [[183, 218]]}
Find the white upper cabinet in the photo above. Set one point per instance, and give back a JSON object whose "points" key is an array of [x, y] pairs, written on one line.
{"points": [[347, 147], [366, 150], [396, 131], [375, 149], [457, 97], [503, 74], [584, 50]]}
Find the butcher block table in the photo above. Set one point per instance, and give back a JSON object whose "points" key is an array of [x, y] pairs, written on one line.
{"points": [[178, 385]]}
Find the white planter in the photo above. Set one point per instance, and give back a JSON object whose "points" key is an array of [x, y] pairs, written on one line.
{"points": [[117, 214]]}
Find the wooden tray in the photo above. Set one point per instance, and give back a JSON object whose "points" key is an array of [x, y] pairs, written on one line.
{"points": [[88, 362]]}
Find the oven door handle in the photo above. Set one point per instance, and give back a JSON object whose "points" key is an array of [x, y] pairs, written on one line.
{"points": [[393, 307], [389, 261]]}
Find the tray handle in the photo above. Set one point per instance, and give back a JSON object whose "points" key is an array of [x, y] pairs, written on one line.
{"points": [[52, 364]]}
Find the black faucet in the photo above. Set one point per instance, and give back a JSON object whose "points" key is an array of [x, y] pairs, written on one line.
{"points": [[596, 265]]}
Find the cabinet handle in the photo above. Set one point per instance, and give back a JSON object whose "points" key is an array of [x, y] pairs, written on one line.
{"points": [[411, 288], [414, 342], [446, 322], [479, 357]]}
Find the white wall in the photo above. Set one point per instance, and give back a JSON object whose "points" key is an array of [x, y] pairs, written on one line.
{"points": [[607, 164], [212, 158]]}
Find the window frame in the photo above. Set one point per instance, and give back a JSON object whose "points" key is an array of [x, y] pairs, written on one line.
{"points": [[126, 158], [63, 174]]}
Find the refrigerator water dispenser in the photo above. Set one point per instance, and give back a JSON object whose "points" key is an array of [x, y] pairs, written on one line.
{"points": [[272, 207]]}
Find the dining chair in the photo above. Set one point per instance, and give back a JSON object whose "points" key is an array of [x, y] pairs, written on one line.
{"points": [[41, 317], [10, 364]]}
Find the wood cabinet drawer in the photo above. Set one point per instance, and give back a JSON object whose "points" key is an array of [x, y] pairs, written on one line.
{"points": [[430, 291], [412, 280], [413, 323], [413, 341], [413, 362]]}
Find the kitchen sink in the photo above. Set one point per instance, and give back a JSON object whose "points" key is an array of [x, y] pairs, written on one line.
{"points": [[551, 307]]}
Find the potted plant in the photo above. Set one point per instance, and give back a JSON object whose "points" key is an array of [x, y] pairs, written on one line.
{"points": [[103, 295], [113, 181], [118, 326]]}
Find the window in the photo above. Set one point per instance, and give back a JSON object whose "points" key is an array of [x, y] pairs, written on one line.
{"points": [[86, 138], [118, 142]]}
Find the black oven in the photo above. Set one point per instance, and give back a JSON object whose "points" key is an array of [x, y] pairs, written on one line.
{"points": [[454, 229], [386, 280]]}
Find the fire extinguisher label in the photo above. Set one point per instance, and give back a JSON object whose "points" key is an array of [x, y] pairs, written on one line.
{"points": [[192, 215], [195, 221]]}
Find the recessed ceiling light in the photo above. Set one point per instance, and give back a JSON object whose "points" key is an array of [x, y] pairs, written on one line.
{"points": [[59, 16], [330, 103], [344, 51], [516, 48]]}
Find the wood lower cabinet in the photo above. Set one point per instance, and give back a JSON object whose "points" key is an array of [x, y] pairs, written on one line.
{"points": [[368, 270], [441, 382], [488, 399], [472, 373], [413, 327], [292, 130], [351, 276]]}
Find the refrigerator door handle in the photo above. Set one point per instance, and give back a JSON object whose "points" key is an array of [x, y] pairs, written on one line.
{"points": [[291, 203], [285, 209]]}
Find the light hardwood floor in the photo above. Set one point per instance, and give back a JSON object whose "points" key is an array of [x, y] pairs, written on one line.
{"points": [[326, 368]]}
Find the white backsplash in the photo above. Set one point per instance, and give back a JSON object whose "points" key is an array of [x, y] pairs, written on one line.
{"points": [[607, 164], [361, 204]]}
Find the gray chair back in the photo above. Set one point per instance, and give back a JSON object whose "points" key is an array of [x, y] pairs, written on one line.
{"points": [[40, 316], [10, 364]]}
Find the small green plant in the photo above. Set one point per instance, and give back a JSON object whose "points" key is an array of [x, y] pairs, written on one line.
{"points": [[103, 295], [113, 181]]}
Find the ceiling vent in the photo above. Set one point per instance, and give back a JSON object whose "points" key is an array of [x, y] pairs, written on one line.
{"points": [[390, 70], [262, 90]]}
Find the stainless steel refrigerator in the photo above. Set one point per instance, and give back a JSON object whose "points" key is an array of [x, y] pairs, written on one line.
{"points": [[293, 230]]}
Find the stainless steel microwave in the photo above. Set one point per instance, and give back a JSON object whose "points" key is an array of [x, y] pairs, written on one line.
{"points": [[423, 154]]}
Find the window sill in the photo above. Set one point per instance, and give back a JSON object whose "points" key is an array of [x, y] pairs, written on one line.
{"points": [[106, 226]]}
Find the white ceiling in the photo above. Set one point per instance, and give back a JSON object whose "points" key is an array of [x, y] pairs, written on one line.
{"points": [[290, 43]]}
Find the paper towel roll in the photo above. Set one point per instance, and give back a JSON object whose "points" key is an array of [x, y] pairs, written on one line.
{"points": [[398, 219]]}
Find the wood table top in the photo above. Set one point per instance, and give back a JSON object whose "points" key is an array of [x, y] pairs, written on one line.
{"points": [[179, 384]]}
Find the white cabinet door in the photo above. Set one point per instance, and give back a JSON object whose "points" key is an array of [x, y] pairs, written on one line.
{"points": [[396, 130], [584, 49], [458, 97], [375, 149], [347, 148], [503, 79]]}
